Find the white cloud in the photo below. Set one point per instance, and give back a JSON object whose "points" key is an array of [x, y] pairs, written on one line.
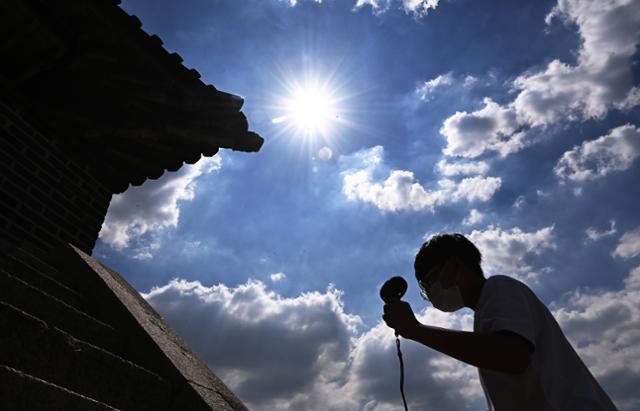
{"points": [[520, 202], [469, 81], [378, 6], [310, 355], [507, 251], [629, 244], [432, 381], [276, 353], [427, 88], [601, 80], [474, 217], [402, 191], [152, 207], [192, 248], [605, 329], [145, 251], [462, 168], [293, 3], [277, 277], [593, 159], [593, 234], [417, 8], [490, 128], [633, 280], [477, 188]]}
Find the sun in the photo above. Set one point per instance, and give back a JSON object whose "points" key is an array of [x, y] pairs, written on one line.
{"points": [[310, 109]]}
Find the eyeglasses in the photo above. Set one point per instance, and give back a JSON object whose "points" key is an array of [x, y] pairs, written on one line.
{"points": [[427, 281]]}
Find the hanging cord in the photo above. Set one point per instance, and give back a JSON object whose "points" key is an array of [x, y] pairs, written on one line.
{"points": [[404, 400]]}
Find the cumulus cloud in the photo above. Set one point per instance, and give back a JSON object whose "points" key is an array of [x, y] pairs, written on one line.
{"points": [[305, 352], [605, 328], [476, 188], [277, 277], [145, 250], [450, 169], [601, 80], [293, 3], [474, 217], [508, 251], [593, 159], [402, 191], [276, 353], [520, 202], [628, 245], [417, 8], [593, 234], [490, 128], [433, 380], [426, 89], [470, 81], [633, 280], [308, 353], [152, 207]]}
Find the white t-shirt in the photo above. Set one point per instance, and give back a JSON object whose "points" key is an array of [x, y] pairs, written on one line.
{"points": [[556, 379]]}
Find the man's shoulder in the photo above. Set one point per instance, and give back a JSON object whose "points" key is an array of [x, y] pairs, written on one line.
{"points": [[504, 281], [505, 302], [505, 287]]}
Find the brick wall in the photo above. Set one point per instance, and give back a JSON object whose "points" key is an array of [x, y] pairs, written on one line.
{"points": [[47, 198]]}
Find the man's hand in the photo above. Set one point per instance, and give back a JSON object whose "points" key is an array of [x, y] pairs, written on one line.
{"points": [[399, 316]]}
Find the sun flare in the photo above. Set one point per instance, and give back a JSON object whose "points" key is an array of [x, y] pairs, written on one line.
{"points": [[310, 109]]}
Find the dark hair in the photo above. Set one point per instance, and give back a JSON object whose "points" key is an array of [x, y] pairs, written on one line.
{"points": [[439, 248]]}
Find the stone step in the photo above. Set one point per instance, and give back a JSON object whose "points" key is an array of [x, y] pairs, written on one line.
{"points": [[24, 392], [43, 262], [31, 346], [58, 314], [39, 275]]}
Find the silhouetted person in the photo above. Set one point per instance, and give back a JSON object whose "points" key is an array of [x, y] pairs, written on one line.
{"points": [[524, 360]]}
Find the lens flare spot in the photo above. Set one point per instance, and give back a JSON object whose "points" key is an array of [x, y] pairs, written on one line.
{"points": [[325, 154]]}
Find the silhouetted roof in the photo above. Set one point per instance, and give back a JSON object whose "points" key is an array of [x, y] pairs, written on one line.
{"points": [[110, 93]]}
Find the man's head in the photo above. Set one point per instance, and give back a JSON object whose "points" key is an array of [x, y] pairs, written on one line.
{"points": [[449, 260]]}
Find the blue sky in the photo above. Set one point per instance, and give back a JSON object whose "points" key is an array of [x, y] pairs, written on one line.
{"points": [[515, 123]]}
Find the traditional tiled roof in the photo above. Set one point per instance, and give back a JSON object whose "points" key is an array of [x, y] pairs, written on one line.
{"points": [[110, 93]]}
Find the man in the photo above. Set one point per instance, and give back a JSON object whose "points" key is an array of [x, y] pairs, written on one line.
{"points": [[524, 360]]}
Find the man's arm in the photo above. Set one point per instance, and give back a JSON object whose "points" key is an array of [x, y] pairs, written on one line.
{"points": [[499, 351]]}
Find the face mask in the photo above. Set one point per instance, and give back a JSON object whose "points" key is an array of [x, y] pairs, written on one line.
{"points": [[445, 299]]}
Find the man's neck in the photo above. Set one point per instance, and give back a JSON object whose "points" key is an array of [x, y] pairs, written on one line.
{"points": [[474, 294]]}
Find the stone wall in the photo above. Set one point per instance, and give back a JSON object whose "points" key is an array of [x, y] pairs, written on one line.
{"points": [[47, 197]]}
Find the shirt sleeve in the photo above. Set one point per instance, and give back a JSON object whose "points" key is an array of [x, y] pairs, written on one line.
{"points": [[507, 307]]}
